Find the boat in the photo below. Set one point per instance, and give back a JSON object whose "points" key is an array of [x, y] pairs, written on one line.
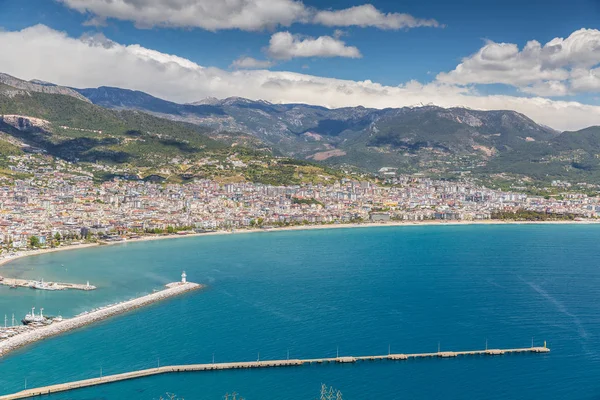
{"points": [[32, 318], [41, 285]]}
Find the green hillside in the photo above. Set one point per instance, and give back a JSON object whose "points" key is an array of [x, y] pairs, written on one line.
{"points": [[570, 156], [81, 132]]}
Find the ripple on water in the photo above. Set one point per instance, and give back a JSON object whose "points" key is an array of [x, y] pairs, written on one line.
{"points": [[313, 292]]}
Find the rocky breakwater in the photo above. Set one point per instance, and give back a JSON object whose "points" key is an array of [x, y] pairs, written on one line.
{"points": [[66, 325]]}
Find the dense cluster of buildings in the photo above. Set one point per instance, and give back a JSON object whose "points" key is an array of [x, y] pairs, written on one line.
{"points": [[57, 204]]}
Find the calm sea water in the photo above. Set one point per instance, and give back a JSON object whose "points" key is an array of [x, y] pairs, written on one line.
{"points": [[311, 292]]}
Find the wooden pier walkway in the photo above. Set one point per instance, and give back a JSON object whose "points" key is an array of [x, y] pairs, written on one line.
{"points": [[255, 364]]}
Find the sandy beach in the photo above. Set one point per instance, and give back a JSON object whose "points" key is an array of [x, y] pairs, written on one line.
{"points": [[28, 253]]}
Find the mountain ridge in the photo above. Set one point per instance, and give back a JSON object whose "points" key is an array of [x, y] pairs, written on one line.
{"points": [[130, 143], [427, 139], [38, 86]]}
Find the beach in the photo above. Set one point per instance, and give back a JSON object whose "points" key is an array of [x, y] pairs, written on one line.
{"points": [[5, 259]]}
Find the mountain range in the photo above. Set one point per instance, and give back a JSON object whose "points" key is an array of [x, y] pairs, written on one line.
{"points": [[430, 140], [54, 121]]}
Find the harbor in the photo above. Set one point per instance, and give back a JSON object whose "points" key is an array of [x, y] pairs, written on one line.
{"points": [[15, 283], [37, 327], [261, 364]]}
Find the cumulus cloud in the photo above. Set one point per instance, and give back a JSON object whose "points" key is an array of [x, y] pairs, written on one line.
{"points": [[547, 88], [97, 39], [89, 62], [368, 16], [585, 80], [339, 33], [249, 15], [211, 15], [285, 46], [560, 67], [251, 63], [95, 21]]}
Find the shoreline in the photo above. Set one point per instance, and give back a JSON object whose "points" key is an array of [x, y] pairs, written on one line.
{"points": [[28, 253], [79, 321]]}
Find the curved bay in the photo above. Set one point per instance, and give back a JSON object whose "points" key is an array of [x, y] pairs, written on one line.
{"points": [[310, 292]]}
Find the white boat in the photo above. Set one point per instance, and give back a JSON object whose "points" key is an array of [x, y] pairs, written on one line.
{"points": [[41, 285], [32, 318]]}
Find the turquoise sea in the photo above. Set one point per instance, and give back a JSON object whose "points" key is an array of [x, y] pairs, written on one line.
{"points": [[311, 292]]}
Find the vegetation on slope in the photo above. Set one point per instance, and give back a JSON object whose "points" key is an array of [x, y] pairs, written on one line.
{"points": [[145, 145]]}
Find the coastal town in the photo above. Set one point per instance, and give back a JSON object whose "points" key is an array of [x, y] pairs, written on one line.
{"points": [[63, 205]]}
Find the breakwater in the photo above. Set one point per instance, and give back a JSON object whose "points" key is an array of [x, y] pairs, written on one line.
{"points": [[63, 387], [56, 328]]}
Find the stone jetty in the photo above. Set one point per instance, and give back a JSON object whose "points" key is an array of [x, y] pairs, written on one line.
{"points": [[56, 328]]}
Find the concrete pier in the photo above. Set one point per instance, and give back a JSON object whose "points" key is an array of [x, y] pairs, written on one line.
{"points": [[25, 283], [256, 364], [56, 328]]}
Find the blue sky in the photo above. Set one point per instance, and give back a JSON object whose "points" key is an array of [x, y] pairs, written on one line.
{"points": [[388, 57]]}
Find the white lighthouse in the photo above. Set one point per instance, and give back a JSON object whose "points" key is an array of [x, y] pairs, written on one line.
{"points": [[183, 277]]}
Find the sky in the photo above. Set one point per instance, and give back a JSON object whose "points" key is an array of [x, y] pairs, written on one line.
{"points": [[541, 58]]}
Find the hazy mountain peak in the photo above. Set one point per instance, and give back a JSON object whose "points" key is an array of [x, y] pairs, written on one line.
{"points": [[43, 83], [207, 101], [39, 86]]}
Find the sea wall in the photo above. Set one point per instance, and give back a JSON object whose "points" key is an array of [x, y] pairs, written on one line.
{"points": [[56, 328]]}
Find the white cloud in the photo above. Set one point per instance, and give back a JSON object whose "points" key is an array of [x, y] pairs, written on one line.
{"points": [[249, 15], [560, 67], [339, 33], [251, 63], [583, 80], [503, 63], [211, 15], [285, 46], [90, 62], [95, 21], [97, 39], [368, 16], [547, 88]]}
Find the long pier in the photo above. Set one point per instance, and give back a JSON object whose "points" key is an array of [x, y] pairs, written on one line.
{"points": [[63, 387]]}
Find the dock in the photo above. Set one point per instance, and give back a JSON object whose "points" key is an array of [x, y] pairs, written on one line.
{"points": [[41, 285], [63, 387]]}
